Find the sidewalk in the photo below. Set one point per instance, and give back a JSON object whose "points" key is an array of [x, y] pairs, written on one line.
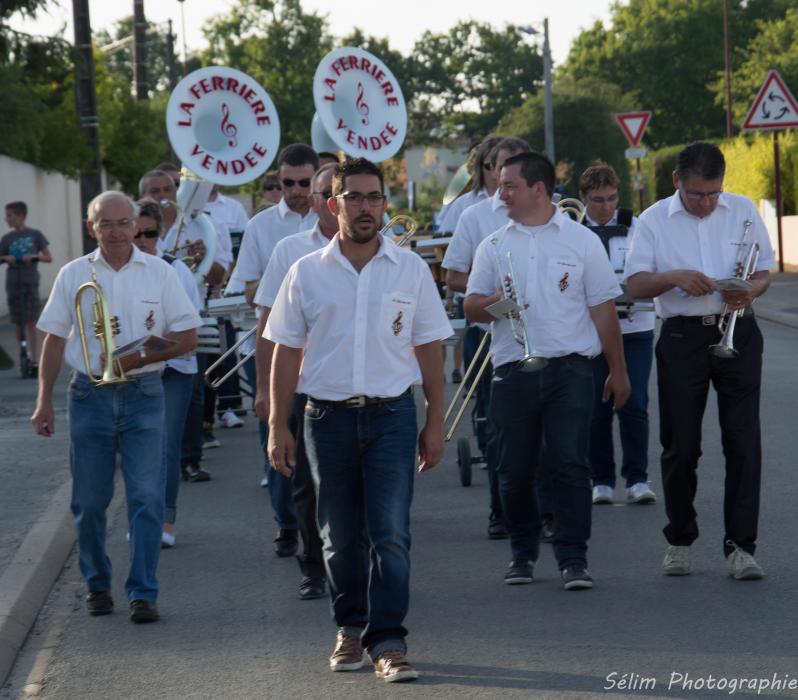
{"points": [[780, 303]]}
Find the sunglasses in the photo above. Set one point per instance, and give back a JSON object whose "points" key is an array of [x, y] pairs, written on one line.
{"points": [[148, 233], [270, 188], [288, 182], [324, 193]]}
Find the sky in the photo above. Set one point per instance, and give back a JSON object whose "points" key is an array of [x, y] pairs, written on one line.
{"points": [[403, 23]]}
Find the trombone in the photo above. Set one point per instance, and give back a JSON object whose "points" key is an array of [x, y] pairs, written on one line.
{"points": [[401, 219], [105, 327], [574, 207]]}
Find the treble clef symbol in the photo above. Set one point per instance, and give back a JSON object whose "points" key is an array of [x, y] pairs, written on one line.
{"points": [[361, 105], [228, 128]]}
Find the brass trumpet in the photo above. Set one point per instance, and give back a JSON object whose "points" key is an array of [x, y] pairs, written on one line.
{"points": [[105, 327]]}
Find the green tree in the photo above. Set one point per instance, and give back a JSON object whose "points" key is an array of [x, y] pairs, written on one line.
{"points": [[278, 44]]}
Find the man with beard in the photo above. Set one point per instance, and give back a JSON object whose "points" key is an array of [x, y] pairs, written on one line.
{"points": [[355, 325]]}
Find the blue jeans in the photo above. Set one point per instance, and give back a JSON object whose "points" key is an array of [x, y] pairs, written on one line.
{"points": [[128, 419], [554, 404], [632, 418], [363, 463], [177, 390], [280, 488]]}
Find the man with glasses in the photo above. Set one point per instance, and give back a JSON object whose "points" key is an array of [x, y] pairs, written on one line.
{"points": [[355, 325], [598, 189], [684, 244], [144, 297], [286, 253], [271, 191], [296, 164]]}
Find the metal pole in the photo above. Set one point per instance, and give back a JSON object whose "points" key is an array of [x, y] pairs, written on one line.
{"points": [[548, 107], [170, 57], [183, 24], [727, 70], [639, 187], [86, 99], [140, 49], [777, 171]]}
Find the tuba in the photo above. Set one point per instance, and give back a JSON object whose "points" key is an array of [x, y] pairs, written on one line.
{"points": [[575, 208], [105, 327]]}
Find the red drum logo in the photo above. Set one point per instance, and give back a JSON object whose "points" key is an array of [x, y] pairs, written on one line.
{"points": [[360, 104], [223, 125]]}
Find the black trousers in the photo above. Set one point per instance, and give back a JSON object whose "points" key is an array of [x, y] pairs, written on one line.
{"points": [[685, 368], [310, 560]]}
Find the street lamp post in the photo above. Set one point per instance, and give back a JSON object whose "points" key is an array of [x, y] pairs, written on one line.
{"points": [[548, 101]]}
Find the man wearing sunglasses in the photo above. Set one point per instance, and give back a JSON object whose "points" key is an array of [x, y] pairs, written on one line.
{"points": [[286, 253], [355, 325], [683, 245], [296, 164]]}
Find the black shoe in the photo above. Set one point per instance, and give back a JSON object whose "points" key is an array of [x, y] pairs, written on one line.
{"points": [[312, 587], [457, 377], [193, 472], [142, 611], [546, 530], [33, 370], [576, 578], [520, 571], [209, 440], [497, 530], [286, 543], [99, 603]]}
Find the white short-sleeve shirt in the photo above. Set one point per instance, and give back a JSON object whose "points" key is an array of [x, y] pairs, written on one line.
{"points": [[285, 254], [228, 212], [186, 365], [475, 224], [145, 295], [262, 233], [563, 270], [668, 237], [458, 206], [358, 329]]}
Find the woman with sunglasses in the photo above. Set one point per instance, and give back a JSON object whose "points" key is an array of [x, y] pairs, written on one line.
{"points": [[178, 375]]}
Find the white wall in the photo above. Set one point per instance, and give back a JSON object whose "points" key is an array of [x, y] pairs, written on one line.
{"points": [[789, 233], [53, 207]]}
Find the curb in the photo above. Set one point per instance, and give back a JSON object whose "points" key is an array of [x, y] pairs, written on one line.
{"points": [[26, 583], [781, 317]]}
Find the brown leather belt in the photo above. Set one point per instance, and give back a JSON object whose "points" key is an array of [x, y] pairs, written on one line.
{"points": [[360, 401]]}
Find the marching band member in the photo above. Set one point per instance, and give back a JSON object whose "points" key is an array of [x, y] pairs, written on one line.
{"points": [[566, 281], [145, 294], [598, 190], [179, 374], [285, 254], [296, 164], [475, 224], [682, 246], [356, 324]]}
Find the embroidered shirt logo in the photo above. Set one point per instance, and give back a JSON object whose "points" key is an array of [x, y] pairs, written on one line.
{"points": [[397, 324], [564, 282], [149, 322]]}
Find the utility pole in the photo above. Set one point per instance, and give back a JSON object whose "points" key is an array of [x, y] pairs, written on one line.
{"points": [[86, 98], [727, 70], [548, 105], [140, 50], [170, 57]]}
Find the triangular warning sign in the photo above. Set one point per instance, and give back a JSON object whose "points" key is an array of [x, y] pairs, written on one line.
{"points": [[774, 106], [633, 124]]}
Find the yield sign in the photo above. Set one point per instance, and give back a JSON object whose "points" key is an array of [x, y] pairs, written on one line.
{"points": [[774, 106], [633, 124]]}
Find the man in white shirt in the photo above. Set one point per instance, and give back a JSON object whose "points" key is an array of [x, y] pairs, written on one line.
{"points": [[684, 244], [363, 320], [599, 191], [566, 289], [475, 224], [296, 164], [299, 489], [145, 297]]}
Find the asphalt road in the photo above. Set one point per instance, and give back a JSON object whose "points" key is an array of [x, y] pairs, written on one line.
{"points": [[233, 627]]}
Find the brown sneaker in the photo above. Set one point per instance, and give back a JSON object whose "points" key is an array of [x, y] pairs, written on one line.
{"points": [[348, 654], [393, 667]]}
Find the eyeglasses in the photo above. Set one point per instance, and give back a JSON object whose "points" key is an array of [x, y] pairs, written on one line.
{"points": [[324, 193], [603, 200], [304, 182], [697, 196], [108, 226], [373, 199], [487, 166], [148, 233], [270, 188]]}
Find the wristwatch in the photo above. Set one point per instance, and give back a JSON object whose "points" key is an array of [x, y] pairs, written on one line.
{"points": [[142, 357]]}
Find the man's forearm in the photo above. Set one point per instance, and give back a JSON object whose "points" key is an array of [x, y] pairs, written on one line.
{"points": [[264, 348], [647, 285], [456, 281], [430, 361], [475, 304], [605, 318], [284, 377], [50, 365], [186, 342]]}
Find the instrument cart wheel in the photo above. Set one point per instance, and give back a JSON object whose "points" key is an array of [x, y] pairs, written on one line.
{"points": [[464, 461]]}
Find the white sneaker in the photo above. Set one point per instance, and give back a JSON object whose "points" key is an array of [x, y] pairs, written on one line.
{"points": [[742, 565], [677, 561], [602, 495], [264, 482], [228, 419], [640, 493], [167, 540]]}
